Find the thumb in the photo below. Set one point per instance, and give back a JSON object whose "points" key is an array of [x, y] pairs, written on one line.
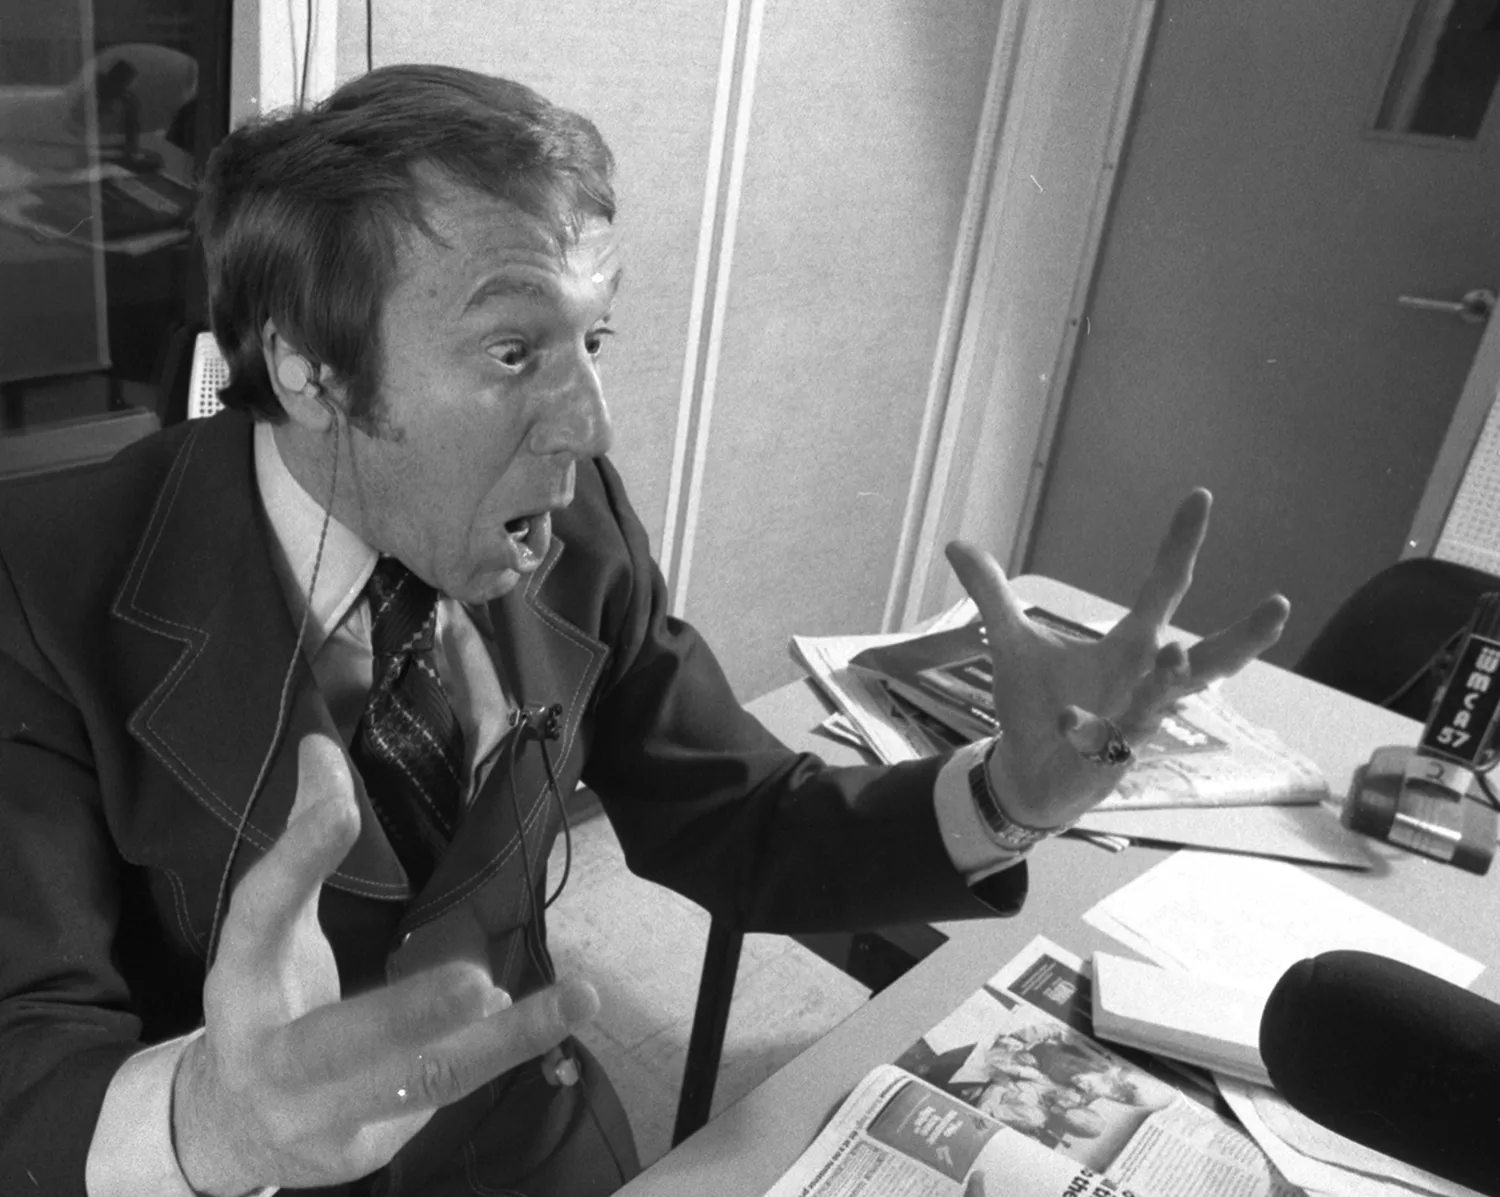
{"points": [[322, 827]]}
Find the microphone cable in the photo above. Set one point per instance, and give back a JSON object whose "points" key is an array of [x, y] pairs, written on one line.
{"points": [[544, 725], [1439, 663]]}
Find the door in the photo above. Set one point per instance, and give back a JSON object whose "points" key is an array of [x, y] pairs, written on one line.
{"points": [[1244, 331]]}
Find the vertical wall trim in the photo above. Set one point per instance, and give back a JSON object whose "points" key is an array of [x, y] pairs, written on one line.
{"points": [[91, 137], [1142, 30], [1455, 459], [942, 413], [704, 348], [283, 31], [703, 279]]}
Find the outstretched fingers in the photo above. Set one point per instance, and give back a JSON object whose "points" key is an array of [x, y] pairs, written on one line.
{"points": [[1171, 678], [476, 1053], [412, 1073], [1172, 572], [1230, 650], [980, 574], [321, 1046]]}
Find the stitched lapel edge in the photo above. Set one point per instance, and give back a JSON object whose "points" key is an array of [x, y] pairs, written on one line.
{"points": [[430, 907]]}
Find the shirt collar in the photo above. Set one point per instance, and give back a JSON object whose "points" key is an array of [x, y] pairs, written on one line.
{"points": [[296, 520]]}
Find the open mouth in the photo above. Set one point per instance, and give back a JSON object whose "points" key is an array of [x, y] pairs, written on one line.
{"points": [[530, 535]]}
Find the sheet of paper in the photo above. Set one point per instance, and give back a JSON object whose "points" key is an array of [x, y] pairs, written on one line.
{"points": [[1244, 920], [1305, 833], [1317, 1160]]}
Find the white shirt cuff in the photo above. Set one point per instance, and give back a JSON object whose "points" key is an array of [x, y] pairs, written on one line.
{"points": [[973, 852], [131, 1153]]}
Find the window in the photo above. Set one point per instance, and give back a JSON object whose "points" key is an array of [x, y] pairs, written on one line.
{"points": [[1445, 71], [108, 109]]}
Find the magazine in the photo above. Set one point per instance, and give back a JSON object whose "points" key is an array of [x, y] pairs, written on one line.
{"points": [[1010, 1095], [915, 695], [884, 725]]}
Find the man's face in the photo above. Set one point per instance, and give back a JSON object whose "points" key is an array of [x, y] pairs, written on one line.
{"points": [[489, 393]]}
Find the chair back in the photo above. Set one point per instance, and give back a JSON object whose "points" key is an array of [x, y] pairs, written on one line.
{"points": [[1386, 643], [210, 373]]}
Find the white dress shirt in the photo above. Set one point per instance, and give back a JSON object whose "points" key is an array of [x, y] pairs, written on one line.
{"points": [[131, 1153]]}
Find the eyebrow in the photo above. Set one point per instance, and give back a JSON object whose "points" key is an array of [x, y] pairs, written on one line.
{"points": [[501, 287], [504, 287]]}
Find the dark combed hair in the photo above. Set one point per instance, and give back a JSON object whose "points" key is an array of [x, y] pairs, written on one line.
{"points": [[302, 212]]}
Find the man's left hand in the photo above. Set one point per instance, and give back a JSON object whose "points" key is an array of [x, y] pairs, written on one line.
{"points": [[1060, 700]]}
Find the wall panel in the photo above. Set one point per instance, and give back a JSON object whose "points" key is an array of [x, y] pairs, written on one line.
{"points": [[860, 141]]}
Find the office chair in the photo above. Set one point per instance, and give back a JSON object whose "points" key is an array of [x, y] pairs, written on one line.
{"points": [[1386, 642], [209, 374]]}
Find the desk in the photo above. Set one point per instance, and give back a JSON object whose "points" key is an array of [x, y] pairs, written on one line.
{"points": [[742, 1151]]}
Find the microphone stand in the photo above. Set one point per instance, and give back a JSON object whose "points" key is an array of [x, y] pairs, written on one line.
{"points": [[1434, 799]]}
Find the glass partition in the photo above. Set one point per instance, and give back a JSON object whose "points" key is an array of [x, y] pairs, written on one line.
{"points": [[108, 109]]}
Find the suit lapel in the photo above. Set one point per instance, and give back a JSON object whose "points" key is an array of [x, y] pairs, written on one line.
{"points": [[481, 883], [203, 577]]}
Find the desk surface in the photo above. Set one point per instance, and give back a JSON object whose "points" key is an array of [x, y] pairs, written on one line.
{"points": [[742, 1151]]}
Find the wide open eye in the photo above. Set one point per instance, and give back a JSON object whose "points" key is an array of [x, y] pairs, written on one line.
{"points": [[594, 342], [513, 355]]}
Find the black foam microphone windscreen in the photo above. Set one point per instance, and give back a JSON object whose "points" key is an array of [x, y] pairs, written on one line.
{"points": [[1391, 1057]]}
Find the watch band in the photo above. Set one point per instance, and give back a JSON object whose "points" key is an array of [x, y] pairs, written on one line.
{"points": [[1005, 831]]}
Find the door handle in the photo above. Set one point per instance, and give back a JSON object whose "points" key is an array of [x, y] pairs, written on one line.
{"points": [[1475, 307]]}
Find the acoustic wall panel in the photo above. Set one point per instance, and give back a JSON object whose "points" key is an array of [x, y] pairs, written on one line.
{"points": [[1471, 533], [860, 137]]}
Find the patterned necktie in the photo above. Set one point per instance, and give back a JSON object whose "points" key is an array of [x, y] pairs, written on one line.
{"points": [[409, 747]]}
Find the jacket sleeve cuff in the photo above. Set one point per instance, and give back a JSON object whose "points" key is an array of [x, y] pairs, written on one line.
{"points": [[973, 852], [131, 1153]]}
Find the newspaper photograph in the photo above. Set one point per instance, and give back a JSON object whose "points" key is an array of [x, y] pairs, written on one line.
{"points": [[1020, 1051], [885, 725], [897, 1136]]}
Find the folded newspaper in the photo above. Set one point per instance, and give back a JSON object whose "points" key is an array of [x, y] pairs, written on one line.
{"points": [[1009, 1096], [1206, 753]]}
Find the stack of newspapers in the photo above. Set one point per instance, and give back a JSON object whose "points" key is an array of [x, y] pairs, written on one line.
{"points": [[1013, 1095], [905, 696]]}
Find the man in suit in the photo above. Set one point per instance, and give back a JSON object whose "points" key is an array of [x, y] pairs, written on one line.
{"points": [[291, 699]]}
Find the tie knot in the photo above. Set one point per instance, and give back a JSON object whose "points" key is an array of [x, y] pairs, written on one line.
{"points": [[402, 610]]}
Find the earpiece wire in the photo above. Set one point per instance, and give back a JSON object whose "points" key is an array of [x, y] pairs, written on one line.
{"points": [[283, 706]]}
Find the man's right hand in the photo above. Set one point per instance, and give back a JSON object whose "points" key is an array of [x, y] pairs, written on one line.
{"points": [[289, 1085]]}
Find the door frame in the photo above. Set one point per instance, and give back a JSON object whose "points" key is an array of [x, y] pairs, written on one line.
{"points": [[1465, 431], [986, 439]]}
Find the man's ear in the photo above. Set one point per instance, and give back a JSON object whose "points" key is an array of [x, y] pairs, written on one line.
{"points": [[307, 392]]}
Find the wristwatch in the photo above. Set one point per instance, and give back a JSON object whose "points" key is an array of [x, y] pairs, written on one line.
{"points": [[1005, 831]]}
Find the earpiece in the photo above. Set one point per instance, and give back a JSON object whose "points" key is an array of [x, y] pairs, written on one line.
{"points": [[293, 373]]}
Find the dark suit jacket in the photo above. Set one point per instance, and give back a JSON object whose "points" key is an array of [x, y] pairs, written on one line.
{"points": [[143, 642]]}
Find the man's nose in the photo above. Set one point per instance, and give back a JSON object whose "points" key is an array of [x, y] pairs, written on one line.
{"points": [[577, 421]]}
